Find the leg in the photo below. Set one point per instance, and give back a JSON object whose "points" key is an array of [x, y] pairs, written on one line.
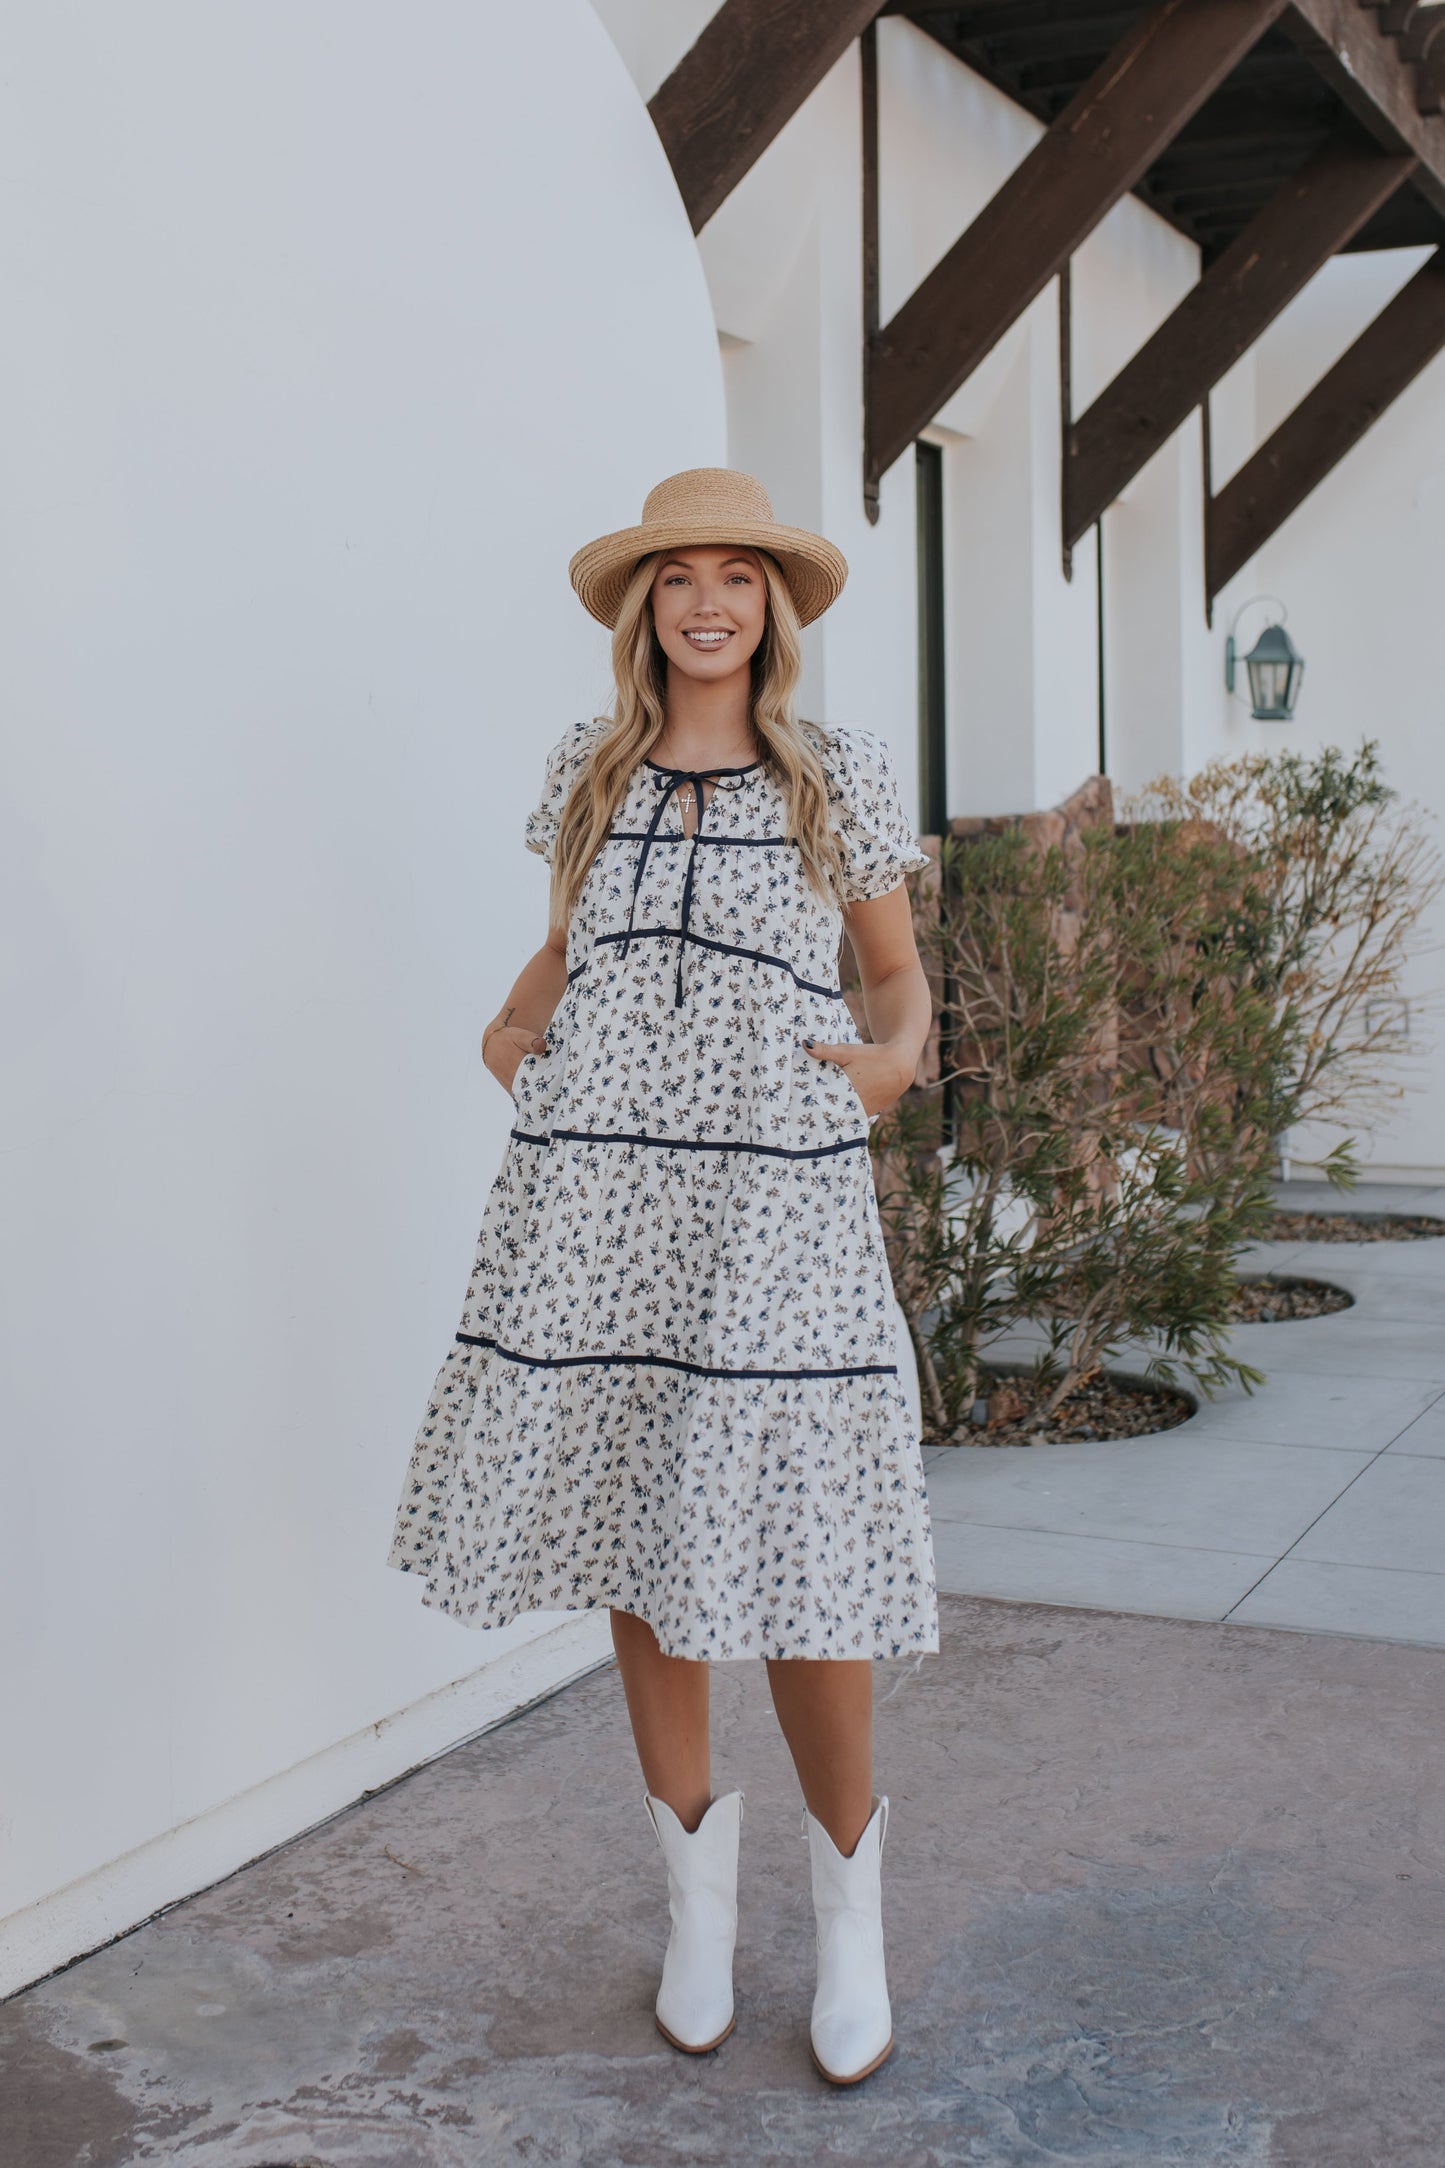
{"points": [[825, 1709], [826, 1712], [667, 1702]]}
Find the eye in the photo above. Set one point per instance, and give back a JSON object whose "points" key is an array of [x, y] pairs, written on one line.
{"points": [[745, 577]]}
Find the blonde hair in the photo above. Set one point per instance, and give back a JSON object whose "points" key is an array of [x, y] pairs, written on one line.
{"points": [[786, 747]]}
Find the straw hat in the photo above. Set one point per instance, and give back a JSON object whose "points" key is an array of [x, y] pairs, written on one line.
{"points": [[709, 504]]}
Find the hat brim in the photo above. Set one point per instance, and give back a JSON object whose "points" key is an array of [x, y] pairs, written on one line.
{"points": [[813, 569]]}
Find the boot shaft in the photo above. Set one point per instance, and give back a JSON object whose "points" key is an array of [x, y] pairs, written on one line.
{"points": [[853, 1883], [701, 1862]]}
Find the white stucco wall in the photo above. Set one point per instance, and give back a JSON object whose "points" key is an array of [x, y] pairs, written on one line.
{"points": [[324, 335], [1360, 568], [1358, 564], [783, 257]]}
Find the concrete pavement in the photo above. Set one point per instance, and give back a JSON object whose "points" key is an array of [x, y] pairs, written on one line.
{"points": [[1164, 1885], [1316, 1502], [1158, 1892]]}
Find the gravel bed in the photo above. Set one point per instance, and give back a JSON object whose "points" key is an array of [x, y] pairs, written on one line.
{"points": [[1106, 1407], [1274, 1298], [1352, 1227]]}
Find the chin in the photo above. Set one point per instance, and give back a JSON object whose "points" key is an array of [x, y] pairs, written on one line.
{"points": [[722, 664]]}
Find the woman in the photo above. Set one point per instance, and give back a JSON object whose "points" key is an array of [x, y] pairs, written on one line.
{"points": [[675, 1387]]}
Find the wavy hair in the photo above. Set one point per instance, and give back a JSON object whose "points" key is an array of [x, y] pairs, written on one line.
{"points": [[785, 744]]}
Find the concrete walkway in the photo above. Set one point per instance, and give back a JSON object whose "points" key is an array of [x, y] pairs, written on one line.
{"points": [[1316, 1502], [1162, 1888], [1158, 1892]]}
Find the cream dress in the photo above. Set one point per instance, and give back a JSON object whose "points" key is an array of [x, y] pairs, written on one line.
{"points": [[674, 1386]]}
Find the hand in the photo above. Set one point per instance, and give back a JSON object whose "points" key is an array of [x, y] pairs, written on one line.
{"points": [[880, 1075], [503, 1046]]}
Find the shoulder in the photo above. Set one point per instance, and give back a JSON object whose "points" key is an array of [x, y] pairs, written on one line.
{"points": [[876, 836], [856, 762], [575, 745], [565, 762]]}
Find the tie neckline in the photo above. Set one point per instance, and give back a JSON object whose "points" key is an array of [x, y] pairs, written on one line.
{"points": [[672, 777], [707, 773]]}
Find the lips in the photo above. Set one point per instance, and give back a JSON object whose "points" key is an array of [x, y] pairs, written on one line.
{"points": [[707, 643]]}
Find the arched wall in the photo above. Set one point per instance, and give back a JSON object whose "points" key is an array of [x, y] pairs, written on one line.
{"points": [[322, 358]]}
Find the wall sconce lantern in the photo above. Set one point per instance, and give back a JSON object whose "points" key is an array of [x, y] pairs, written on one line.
{"points": [[1274, 664]]}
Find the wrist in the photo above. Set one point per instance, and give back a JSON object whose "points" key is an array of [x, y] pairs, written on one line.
{"points": [[906, 1056]]}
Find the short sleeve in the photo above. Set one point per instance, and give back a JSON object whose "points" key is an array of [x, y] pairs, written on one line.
{"points": [[878, 844], [564, 764]]}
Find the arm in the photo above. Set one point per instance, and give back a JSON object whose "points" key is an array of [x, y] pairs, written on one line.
{"points": [[518, 1025], [896, 1000]]}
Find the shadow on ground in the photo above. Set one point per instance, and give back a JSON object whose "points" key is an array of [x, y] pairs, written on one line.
{"points": [[1157, 1891]]}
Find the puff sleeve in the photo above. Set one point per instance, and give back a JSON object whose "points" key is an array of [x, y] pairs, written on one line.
{"points": [[564, 763], [878, 842]]}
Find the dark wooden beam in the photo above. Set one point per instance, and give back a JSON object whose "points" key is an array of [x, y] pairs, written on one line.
{"points": [[1328, 421], [1100, 146], [1365, 71], [1279, 251], [868, 86], [738, 86], [1069, 39], [1430, 81], [1421, 32], [1406, 221]]}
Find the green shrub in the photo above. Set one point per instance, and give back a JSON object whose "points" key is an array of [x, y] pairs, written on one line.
{"points": [[1130, 1023]]}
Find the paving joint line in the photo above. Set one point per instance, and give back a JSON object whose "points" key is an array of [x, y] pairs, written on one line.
{"points": [[1076, 1535], [1354, 1479]]}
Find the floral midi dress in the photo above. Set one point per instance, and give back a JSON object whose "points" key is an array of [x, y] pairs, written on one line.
{"points": [[674, 1389]]}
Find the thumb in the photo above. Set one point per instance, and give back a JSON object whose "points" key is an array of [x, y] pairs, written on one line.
{"points": [[827, 1050]]}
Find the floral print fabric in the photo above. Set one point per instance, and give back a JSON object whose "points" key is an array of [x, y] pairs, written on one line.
{"points": [[674, 1389]]}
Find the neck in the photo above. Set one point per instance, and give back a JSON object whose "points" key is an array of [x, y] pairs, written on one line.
{"points": [[708, 721]]}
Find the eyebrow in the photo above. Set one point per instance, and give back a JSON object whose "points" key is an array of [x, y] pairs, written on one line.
{"points": [[686, 563]]}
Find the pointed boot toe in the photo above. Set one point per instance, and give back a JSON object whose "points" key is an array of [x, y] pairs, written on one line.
{"points": [[845, 2054], [851, 2031], [695, 2000]]}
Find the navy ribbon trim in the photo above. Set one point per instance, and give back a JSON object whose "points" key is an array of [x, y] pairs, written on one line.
{"points": [[667, 781], [636, 835], [721, 948], [669, 1362], [693, 1144]]}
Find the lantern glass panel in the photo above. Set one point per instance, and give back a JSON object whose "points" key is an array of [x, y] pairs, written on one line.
{"points": [[1267, 683], [1275, 668]]}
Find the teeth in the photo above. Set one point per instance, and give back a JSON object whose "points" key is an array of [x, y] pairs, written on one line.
{"points": [[710, 639]]}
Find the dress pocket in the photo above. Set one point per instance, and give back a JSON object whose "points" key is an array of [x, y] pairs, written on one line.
{"points": [[840, 1096], [850, 1090], [521, 1076]]}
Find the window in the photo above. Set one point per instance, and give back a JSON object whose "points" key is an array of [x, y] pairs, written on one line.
{"points": [[932, 731]]}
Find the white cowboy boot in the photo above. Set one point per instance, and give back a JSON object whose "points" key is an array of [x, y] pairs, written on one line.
{"points": [[852, 2028], [695, 2000]]}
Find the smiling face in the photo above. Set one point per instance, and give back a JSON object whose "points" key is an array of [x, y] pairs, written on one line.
{"points": [[710, 607]]}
